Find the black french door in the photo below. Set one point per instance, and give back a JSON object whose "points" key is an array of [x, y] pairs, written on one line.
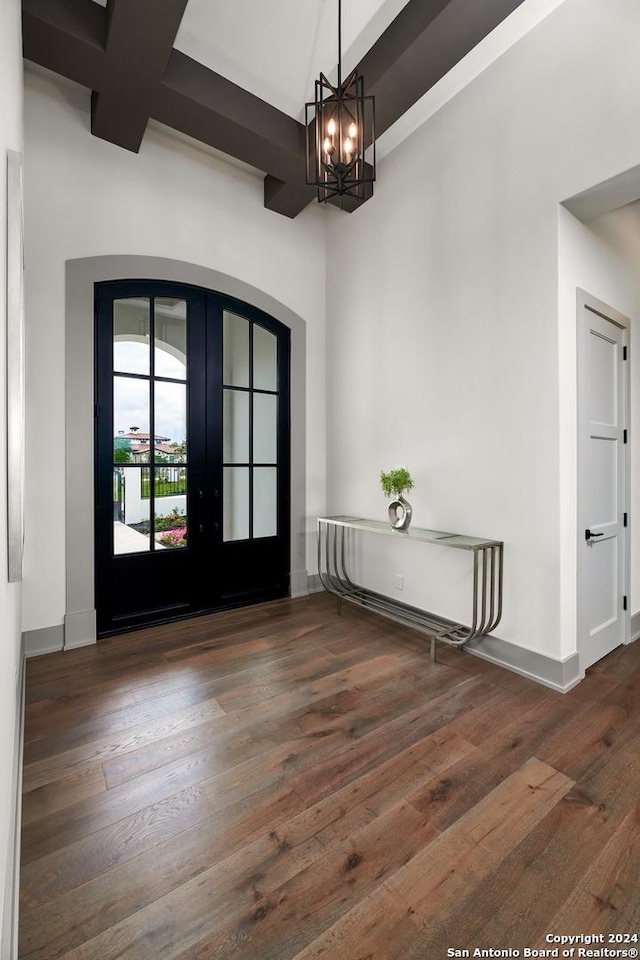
{"points": [[192, 453]]}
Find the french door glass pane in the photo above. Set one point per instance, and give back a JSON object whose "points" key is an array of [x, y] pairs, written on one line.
{"points": [[265, 428], [130, 511], [170, 526], [170, 421], [130, 419], [235, 351], [170, 356], [265, 359], [235, 522], [265, 502], [235, 426], [131, 335]]}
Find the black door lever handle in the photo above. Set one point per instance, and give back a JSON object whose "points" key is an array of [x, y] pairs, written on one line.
{"points": [[590, 536]]}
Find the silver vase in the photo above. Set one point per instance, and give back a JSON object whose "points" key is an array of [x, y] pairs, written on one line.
{"points": [[400, 513]]}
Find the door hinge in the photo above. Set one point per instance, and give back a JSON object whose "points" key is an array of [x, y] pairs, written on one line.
{"points": [[624, 603], [96, 410], [625, 519], [624, 353], [624, 436]]}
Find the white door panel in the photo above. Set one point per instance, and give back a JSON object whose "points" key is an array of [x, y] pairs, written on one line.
{"points": [[602, 483], [603, 405]]}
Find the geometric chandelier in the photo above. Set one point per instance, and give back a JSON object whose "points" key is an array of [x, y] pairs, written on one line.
{"points": [[340, 129]]}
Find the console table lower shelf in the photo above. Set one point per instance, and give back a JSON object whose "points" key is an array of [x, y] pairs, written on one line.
{"points": [[486, 606]]}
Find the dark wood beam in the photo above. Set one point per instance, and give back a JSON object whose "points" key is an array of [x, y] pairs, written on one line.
{"points": [[290, 198], [418, 49], [68, 37], [414, 19], [139, 42], [196, 101], [124, 55]]}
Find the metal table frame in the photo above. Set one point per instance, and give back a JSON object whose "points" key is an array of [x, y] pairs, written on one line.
{"points": [[487, 579]]}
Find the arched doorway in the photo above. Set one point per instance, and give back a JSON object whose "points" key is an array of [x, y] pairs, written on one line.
{"points": [[82, 277]]}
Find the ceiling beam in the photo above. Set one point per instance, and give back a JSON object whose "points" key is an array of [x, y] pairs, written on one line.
{"points": [[82, 41], [196, 101], [68, 37], [202, 104], [125, 56], [291, 197], [139, 42], [417, 50]]}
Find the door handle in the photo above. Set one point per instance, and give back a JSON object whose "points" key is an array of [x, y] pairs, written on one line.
{"points": [[590, 536]]}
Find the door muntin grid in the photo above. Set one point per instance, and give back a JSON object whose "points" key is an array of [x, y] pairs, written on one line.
{"points": [[251, 429], [150, 445]]}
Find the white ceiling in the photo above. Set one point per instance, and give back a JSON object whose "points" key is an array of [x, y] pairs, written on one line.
{"points": [[276, 48]]}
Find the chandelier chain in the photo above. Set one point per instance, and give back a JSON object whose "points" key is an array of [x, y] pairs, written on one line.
{"points": [[339, 43]]}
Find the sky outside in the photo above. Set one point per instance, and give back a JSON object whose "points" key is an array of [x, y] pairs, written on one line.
{"points": [[131, 396]]}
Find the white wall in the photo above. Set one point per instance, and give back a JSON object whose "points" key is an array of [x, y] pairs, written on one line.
{"points": [[442, 307], [86, 197], [10, 139], [602, 258]]}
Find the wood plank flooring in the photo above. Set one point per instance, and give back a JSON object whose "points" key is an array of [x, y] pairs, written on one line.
{"points": [[282, 783]]}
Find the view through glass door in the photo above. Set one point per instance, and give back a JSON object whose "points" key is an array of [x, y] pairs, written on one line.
{"points": [[192, 453]]}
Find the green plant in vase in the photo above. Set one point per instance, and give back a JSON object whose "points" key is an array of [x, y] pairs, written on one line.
{"points": [[394, 484]]}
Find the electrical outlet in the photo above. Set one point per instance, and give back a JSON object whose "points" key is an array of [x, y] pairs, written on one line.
{"points": [[399, 581]]}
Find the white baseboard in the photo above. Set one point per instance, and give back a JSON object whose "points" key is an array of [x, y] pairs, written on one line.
{"points": [[560, 675], [299, 583], [80, 629], [314, 584], [45, 640]]}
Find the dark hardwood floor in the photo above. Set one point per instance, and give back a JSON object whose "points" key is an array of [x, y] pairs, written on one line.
{"points": [[281, 782]]}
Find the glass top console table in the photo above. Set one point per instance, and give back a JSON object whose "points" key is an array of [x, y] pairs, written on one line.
{"points": [[486, 607]]}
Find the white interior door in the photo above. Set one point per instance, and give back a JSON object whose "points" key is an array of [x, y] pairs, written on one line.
{"points": [[603, 614]]}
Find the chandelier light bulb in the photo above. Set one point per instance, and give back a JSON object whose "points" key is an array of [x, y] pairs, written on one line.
{"points": [[327, 146], [353, 130], [348, 146], [331, 127]]}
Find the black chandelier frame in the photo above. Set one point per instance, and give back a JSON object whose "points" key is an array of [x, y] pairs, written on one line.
{"points": [[340, 172]]}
